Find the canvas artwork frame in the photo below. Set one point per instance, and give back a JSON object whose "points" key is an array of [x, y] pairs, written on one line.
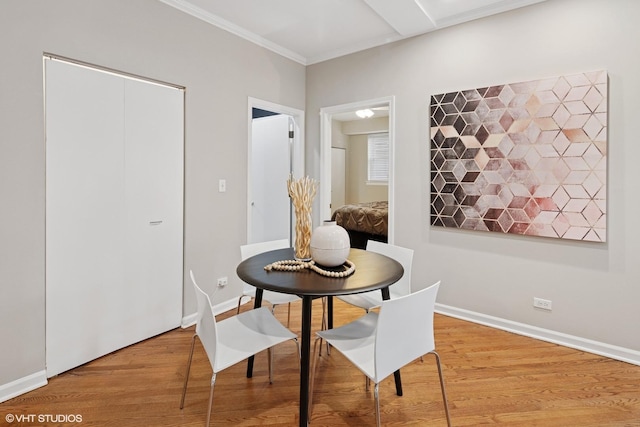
{"points": [[524, 158]]}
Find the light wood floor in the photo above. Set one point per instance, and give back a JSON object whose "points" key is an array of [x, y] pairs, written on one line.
{"points": [[492, 377]]}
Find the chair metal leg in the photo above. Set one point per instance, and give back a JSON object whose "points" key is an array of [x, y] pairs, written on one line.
{"points": [[186, 377], [273, 311], [299, 351], [324, 324], [444, 393], [213, 382], [313, 373], [270, 357], [239, 302], [377, 398]]}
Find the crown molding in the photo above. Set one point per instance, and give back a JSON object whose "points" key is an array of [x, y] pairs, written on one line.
{"points": [[232, 28]]}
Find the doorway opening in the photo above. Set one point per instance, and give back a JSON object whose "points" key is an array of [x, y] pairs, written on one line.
{"points": [[345, 140], [276, 149]]}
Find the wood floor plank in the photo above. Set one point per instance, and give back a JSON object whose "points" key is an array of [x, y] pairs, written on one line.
{"points": [[492, 377]]}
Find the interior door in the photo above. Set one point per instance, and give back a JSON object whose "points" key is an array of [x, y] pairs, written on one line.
{"points": [[113, 212], [154, 204], [270, 169], [83, 251]]}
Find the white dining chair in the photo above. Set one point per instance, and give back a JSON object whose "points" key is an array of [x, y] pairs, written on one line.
{"points": [[379, 344], [373, 299], [274, 298], [234, 339]]}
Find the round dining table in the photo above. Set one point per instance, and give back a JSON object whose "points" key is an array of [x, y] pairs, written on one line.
{"points": [[373, 271]]}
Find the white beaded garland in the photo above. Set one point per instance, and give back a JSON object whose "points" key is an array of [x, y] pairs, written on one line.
{"points": [[294, 265]]}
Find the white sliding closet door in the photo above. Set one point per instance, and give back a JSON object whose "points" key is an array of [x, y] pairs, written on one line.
{"points": [[154, 205], [114, 212]]}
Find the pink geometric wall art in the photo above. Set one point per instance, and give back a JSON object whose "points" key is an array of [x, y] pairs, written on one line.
{"points": [[523, 158]]}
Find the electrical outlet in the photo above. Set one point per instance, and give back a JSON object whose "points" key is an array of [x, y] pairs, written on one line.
{"points": [[544, 304], [222, 282]]}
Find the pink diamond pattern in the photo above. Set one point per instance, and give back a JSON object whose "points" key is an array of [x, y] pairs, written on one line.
{"points": [[523, 158]]}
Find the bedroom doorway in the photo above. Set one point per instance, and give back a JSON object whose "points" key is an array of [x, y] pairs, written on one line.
{"points": [[276, 149], [339, 124]]}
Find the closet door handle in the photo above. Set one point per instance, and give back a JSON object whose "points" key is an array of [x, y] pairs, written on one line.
{"points": [[155, 222]]}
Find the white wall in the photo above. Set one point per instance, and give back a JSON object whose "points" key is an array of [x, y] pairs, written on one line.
{"points": [[358, 191], [366, 126], [352, 136], [595, 287], [145, 37]]}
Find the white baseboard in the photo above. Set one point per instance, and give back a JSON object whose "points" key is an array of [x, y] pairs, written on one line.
{"points": [[224, 306], [22, 385], [188, 321], [590, 346]]}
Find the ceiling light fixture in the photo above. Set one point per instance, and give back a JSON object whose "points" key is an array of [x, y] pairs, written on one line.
{"points": [[364, 114]]}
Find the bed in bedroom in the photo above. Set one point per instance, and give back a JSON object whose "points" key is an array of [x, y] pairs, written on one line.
{"points": [[364, 222]]}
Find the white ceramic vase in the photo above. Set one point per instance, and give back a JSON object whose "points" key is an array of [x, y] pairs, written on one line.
{"points": [[330, 244]]}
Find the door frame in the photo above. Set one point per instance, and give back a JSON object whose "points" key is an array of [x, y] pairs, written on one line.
{"points": [[326, 117], [297, 157], [343, 160]]}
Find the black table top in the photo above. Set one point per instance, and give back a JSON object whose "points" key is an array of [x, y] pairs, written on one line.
{"points": [[373, 271]]}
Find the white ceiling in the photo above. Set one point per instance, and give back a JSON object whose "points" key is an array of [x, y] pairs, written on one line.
{"points": [[311, 31]]}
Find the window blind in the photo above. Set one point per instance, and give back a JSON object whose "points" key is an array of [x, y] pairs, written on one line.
{"points": [[378, 153]]}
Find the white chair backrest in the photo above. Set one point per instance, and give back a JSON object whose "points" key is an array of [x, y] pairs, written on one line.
{"points": [[405, 330], [404, 256], [252, 249], [206, 327]]}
